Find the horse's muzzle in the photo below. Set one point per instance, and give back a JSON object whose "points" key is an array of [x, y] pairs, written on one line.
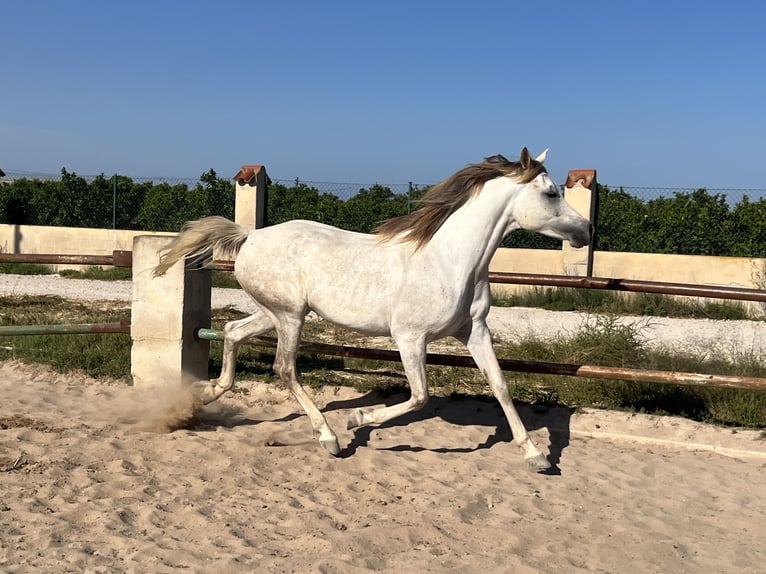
{"points": [[582, 239]]}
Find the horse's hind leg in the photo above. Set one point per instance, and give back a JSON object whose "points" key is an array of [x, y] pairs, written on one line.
{"points": [[413, 354], [234, 332], [288, 339]]}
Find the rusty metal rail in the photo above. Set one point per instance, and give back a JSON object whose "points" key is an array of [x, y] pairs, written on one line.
{"points": [[118, 258], [607, 283], [546, 368], [632, 285], [121, 258], [124, 259], [220, 265]]}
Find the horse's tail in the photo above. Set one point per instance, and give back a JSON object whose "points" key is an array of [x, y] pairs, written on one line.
{"points": [[199, 239]]}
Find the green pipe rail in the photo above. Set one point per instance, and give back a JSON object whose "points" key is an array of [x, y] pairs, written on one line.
{"points": [[124, 259], [566, 369], [75, 329]]}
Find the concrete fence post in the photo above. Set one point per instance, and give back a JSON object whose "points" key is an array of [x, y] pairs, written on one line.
{"points": [[581, 191], [250, 200], [165, 312]]}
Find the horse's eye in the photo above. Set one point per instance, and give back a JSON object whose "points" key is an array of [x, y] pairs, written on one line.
{"points": [[552, 193]]}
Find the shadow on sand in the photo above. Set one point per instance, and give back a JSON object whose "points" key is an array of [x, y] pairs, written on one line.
{"points": [[456, 410], [463, 411]]}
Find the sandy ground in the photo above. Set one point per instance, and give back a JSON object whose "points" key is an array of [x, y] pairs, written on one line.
{"points": [[100, 477], [92, 481]]}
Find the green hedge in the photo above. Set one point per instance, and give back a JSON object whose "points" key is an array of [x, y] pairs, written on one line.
{"points": [[691, 223], [73, 201]]}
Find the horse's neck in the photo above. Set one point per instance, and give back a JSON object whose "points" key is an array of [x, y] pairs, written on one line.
{"points": [[470, 236]]}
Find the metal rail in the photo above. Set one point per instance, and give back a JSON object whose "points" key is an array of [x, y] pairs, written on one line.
{"points": [[632, 285], [121, 258], [75, 329], [124, 259], [583, 371], [118, 258], [607, 283]]}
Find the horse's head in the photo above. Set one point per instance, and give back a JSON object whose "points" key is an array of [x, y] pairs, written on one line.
{"points": [[540, 206]]}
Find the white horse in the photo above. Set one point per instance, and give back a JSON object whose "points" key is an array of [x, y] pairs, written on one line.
{"points": [[417, 278]]}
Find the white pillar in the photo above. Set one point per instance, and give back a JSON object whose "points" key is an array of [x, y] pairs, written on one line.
{"points": [[250, 199], [581, 191], [166, 310]]}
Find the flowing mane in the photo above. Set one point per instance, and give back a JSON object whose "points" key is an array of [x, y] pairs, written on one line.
{"points": [[446, 197]]}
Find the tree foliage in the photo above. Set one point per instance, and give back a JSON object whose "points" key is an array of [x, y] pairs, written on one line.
{"points": [[689, 223], [747, 229], [362, 212], [301, 202], [695, 222], [72, 201]]}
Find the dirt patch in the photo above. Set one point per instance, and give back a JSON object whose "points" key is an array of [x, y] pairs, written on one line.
{"points": [[25, 422]]}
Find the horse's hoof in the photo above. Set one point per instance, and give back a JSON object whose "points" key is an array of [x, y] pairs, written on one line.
{"points": [[331, 445], [538, 463], [203, 392], [355, 419]]}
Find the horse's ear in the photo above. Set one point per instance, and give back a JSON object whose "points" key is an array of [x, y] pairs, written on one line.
{"points": [[525, 160], [496, 159], [542, 156]]}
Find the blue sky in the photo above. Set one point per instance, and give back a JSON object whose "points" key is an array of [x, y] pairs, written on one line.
{"points": [[665, 94]]}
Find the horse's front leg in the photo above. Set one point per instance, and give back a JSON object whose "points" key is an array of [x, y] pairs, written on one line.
{"points": [[413, 354], [479, 343]]}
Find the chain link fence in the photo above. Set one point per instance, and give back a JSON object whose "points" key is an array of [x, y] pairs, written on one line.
{"points": [[636, 219], [345, 191], [112, 202], [732, 196], [12, 175], [688, 221], [707, 215]]}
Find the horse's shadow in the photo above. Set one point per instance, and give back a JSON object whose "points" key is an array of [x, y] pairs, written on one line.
{"points": [[464, 411], [456, 409]]}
